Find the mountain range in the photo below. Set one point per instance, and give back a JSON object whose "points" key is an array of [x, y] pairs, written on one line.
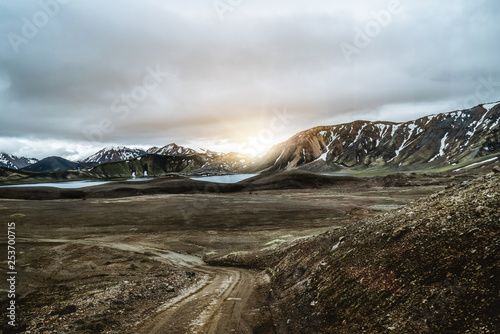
{"points": [[442, 139], [430, 142], [13, 162]]}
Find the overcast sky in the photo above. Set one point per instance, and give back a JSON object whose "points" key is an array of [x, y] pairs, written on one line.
{"points": [[77, 75]]}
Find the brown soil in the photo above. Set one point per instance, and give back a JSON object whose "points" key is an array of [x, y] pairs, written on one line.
{"points": [[108, 262]]}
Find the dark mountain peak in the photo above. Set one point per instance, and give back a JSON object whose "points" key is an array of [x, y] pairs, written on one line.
{"points": [[54, 164]]}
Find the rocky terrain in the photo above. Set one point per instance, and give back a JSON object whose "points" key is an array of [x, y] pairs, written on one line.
{"points": [[127, 257], [430, 267]]}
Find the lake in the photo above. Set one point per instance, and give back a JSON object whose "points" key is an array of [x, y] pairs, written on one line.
{"points": [[89, 183], [224, 178], [61, 185], [74, 184]]}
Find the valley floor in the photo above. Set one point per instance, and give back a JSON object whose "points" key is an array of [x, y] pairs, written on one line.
{"points": [[138, 264]]}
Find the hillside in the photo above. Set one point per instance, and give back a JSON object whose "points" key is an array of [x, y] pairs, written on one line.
{"points": [[431, 141], [157, 165], [429, 267], [147, 165]]}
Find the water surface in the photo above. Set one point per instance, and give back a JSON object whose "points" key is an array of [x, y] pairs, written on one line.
{"points": [[60, 185], [224, 178]]}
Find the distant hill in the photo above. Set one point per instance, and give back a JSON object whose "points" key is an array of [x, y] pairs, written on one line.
{"points": [[55, 164]]}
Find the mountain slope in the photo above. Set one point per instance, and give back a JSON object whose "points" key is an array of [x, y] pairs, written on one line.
{"points": [[110, 154], [14, 162], [430, 267], [435, 140], [157, 165], [147, 165], [227, 162]]}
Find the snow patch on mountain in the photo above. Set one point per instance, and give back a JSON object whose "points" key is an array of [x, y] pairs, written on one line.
{"points": [[171, 149], [323, 156], [114, 153], [490, 106]]}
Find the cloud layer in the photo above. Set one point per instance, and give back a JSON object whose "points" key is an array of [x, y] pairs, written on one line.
{"points": [[145, 73]]}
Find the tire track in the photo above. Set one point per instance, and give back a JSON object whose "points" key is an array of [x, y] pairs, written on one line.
{"points": [[215, 305]]}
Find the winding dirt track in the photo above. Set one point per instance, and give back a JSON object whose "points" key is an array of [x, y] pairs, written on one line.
{"points": [[214, 306]]}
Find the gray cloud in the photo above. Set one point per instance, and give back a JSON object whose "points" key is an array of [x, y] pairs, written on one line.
{"points": [[226, 76]]}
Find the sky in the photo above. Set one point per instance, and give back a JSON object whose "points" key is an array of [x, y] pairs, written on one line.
{"points": [[232, 75]]}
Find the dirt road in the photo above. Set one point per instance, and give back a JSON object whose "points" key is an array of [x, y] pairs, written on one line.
{"points": [[214, 305]]}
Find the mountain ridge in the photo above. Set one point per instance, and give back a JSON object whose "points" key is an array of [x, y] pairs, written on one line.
{"points": [[114, 153], [15, 162], [431, 141], [446, 138]]}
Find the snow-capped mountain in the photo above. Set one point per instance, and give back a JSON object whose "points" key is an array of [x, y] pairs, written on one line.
{"points": [[111, 154], [431, 141], [159, 164], [211, 159], [171, 149], [14, 162], [441, 139]]}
